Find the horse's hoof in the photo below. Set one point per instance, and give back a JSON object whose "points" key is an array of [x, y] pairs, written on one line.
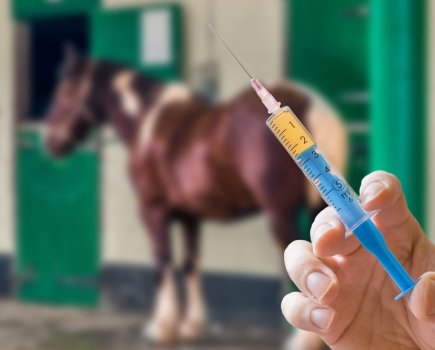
{"points": [[192, 331], [160, 333]]}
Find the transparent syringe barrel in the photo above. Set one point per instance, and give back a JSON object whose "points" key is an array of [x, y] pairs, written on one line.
{"points": [[333, 188], [336, 192]]}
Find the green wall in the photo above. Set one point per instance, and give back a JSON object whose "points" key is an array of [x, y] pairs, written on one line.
{"points": [[343, 47], [398, 114]]}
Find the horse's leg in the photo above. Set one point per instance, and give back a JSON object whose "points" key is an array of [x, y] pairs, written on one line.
{"points": [[163, 327], [284, 226], [192, 326]]}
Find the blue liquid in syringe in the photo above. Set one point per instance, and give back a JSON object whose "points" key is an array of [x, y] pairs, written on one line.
{"points": [[337, 193], [333, 189]]}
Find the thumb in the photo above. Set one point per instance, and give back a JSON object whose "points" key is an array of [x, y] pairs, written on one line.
{"points": [[422, 300]]}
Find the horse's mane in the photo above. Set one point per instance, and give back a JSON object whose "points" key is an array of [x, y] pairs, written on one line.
{"points": [[107, 69]]}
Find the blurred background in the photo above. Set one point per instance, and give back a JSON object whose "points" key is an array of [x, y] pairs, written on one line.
{"points": [[70, 234]]}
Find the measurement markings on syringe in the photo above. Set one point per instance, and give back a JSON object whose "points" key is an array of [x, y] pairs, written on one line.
{"points": [[293, 150], [331, 202], [316, 178], [285, 141], [322, 188], [310, 174], [290, 132], [305, 166]]}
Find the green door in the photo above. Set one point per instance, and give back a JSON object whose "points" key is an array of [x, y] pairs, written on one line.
{"points": [[328, 50], [148, 38], [58, 224], [24, 9]]}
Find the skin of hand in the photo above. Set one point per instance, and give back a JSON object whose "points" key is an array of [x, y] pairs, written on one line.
{"points": [[346, 297]]}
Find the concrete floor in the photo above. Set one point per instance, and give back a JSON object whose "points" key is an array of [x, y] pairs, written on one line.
{"points": [[30, 327]]}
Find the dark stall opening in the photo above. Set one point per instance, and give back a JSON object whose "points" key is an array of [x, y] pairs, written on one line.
{"points": [[46, 42]]}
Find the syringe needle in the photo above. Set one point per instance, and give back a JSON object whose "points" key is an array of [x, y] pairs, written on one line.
{"points": [[266, 97], [230, 51]]}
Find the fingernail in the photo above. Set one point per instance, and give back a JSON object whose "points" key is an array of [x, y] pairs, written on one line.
{"points": [[321, 230], [318, 284], [322, 318], [430, 298], [372, 191]]}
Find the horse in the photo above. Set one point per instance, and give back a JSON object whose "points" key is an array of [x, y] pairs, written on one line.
{"points": [[190, 160]]}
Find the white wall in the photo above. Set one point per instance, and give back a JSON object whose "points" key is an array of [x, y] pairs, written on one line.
{"points": [[242, 247], [254, 29], [6, 131]]}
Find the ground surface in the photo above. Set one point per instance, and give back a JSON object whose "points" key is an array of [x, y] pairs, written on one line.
{"points": [[29, 327]]}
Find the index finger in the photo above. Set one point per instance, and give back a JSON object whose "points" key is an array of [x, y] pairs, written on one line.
{"points": [[383, 191], [328, 235]]}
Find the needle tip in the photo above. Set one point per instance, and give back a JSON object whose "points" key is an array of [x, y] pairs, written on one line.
{"points": [[229, 50]]}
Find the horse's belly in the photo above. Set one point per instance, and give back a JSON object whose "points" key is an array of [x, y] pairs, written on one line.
{"points": [[214, 204], [203, 187]]}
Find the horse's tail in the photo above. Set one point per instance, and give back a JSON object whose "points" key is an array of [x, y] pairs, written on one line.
{"points": [[329, 131]]}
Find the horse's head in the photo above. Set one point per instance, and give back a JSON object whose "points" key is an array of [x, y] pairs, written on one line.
{"points": [[72, 112]]}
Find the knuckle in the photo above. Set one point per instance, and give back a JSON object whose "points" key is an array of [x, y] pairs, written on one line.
{"points": [[299, 260], [389, 179], [299, 272], [393, 182], [295, 248], [393, 190], [323, 216], [288, 252], [330, 218], [291, 309], [392, 185], [377, 175], [297, 267], [297, 321]]}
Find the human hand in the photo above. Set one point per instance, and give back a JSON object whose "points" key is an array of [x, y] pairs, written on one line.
{"points": [[346, 296]]}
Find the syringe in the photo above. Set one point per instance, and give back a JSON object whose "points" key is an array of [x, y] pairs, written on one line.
{"points": [[333, 188]]}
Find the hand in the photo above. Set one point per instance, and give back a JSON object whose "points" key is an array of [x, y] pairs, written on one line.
{"points": [[346, 297]]}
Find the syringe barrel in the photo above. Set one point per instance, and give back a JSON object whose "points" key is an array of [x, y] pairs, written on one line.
{"points": [[330, 184], [336, 192]]}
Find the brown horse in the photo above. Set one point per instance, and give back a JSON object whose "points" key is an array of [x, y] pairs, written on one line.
{"points": [[191, 160]]}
